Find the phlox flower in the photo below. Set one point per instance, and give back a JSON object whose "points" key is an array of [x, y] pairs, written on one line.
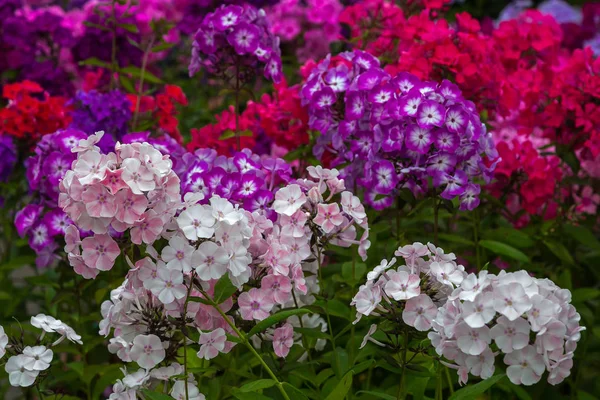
{"points": [[472, 341], [210, 261], [212, 343], [130, 206], [178, 391], [37, 358], [402, 285], [510, 335], [100, 252], [328, 217], [197, 222], [480, 311], [511, 300], [283, 340], [289, 199], [178, 254], [526, 366], [147, 351], [255, 304], [279, 287], [18, 375], [419, 311], [167, 286]]}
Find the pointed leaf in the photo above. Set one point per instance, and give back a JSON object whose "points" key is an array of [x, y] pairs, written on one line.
{"points": [[342, 388], [257, 385], [472, 391], [275, 318], [504, 250]]}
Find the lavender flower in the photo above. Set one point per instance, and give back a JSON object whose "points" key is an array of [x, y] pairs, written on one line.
{"points": [[397, 132]]}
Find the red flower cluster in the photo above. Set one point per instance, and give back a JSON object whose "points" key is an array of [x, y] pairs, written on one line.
{"points": [[221, 136], [282, 118], [527, 179], [163, 108], [31, 112]]}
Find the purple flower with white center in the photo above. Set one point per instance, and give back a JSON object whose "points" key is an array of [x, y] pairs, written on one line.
{"points": [[409, 104], [324, 98], [244, 38], [446, 141], [469, 200], [57, 222], [430, 113], [337, 79], [441, 163], [227, 17], [381, 94], [355, 105], [385, 176], [418, 139]]}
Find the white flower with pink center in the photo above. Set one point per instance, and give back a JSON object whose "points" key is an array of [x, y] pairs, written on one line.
{"points": [[418, 312], [147, 351], [328, 217], [212, 343]]}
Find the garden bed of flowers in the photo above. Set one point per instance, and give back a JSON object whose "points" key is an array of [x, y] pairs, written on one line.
{"points": [[299, 199]]}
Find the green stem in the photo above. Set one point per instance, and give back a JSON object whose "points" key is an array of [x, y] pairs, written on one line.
{"points": [[329, 326], [185, 306], [436, 209], [245, 341], [141, 84], [450, 384], [39, 392], [476, 237], [401, 387], [438, 387], [237, 108], [113, 57]]}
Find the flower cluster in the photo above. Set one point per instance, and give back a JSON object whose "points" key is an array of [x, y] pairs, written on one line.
{"points": [[397, 131], [35, 42], [526, 180], [418, 287], [31, 112], [315, 21], [28, 363], [281, 118], [238, 38], [162, 108], [42, 220], [109, 112], [133, 188], [266, 260], [221, 136], [530, 321]]}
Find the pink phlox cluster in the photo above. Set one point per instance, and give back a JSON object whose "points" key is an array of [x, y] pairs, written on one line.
{"points": [[529, 322], [133, 190]]}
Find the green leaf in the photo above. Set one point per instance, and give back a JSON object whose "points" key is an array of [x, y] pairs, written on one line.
{"points": [[456, 239], [127, 84], [359, 270], [582, 235], [418, 370], [293, 392], [94, 62], [342, 388], [132, 28], [504, 250], [313, 332], [150, 395], [163, 46], [472, 391], [249, 396], [229, 133], [257, 385], [275, 318], [224, 289], [17, 262], [337, 308], [378, 394], [197, 299], [137, 72], [510, 236], [585, 294], [560, 251]]}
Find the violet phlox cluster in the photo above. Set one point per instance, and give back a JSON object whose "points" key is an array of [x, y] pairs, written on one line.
{"points": [[28, 363], [416, 288], [397, 131], [42, 221], [96, 111], [132, 189], [529, 322], [245, 179], [239, 38]]}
